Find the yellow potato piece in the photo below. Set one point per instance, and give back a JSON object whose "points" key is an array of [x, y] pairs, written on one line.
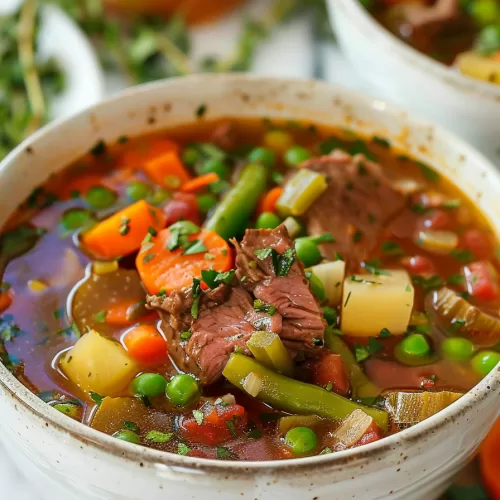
{"points": [[372, 302], [97, 364], [479, 67], [332, 276]]}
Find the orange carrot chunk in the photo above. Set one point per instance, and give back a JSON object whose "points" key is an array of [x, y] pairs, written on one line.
{"points": [[163, 269], [489, 459], [123, 232], [198, 183], [167, 170], [269, 200], [146, 345], [139, 151]]}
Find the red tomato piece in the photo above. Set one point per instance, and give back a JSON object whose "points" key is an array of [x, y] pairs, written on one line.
{"points": [[478, 242], [419, 265], [329, 371], [183, 206], [219, 424], [482, 280], [436, 219], [372, 434]]}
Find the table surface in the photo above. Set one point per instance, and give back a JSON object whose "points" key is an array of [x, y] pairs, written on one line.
{"points": [[291, 52]]}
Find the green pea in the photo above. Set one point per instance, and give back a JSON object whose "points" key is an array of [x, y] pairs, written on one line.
{"points": [[267, 220], [149, 384], [206, 202], [75, 219], [415, 345], [160, 196], [330, 315], [483, 362], [100, 197], [190, 156], [485, 12], [457, 349], [301, 440], [264, 156], [213, 165], [296, 155], [183, 390], [307, 251], [129, 436], [138, 190]]}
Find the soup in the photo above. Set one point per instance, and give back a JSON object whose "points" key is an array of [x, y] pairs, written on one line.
{"points": [[463, 34], [249, 290]]}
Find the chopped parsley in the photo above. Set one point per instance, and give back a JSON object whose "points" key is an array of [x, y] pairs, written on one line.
{"points": [[209, 256], [364, 352], [357, 236], [201, 111], [148, 257], [380, 141], [183, 449], [124, 226], [159, 437], [462, 255], [451, 204], [130, 426], [456, 280], [324, 238], [198, 416], [213, 278], [152, 231], [263, 253], [195, 292], [384, 333], [100, 317], [392, 248], [374, 266], [261, 306], [428, 284], [225, 454], [232, 428], [282, 263], [96, 398], [428, 173], [418, 208], [196, 246], [185, 336], [99, 149], [179, 235], [347, 299]]}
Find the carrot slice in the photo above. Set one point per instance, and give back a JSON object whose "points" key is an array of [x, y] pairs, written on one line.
{"points": [[123, 232], [269, 200], [142, 150], [199, 183], [146, 345], [162, 269], [489, 458], [5, 301], [167, 170], [118, 315]]}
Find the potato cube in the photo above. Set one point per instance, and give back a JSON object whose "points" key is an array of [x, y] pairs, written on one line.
{"points": [[372, 302], [331, 275], [97, 364]]}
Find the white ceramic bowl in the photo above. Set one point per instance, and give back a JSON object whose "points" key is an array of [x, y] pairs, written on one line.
{"points": [[69, 461], [398, 72]]}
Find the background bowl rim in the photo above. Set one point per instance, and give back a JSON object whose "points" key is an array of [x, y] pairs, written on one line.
{"points": [[151, 457], [410, 56]]}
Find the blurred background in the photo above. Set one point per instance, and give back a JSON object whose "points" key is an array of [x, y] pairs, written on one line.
{"points": [[60, 56]]}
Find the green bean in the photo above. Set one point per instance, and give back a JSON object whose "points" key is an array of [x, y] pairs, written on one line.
{"points": [[294, 396], [231, 215]]}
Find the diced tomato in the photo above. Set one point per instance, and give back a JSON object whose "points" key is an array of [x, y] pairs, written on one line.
{"points": [[428, 383], [436, 219], [372, 434], [329, 371], [478, 242], [419, 265], [183, 206], [482, 280], [219, 424]]}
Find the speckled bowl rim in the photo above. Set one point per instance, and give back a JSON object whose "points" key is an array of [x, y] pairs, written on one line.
{"points": [[411, 57], [147, 456]]}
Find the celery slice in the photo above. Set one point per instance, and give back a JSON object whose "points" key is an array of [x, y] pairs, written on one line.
{"points": [[268, 349]]}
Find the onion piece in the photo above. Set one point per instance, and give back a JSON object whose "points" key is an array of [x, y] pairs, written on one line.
{"points": [[332, 275], [292, 226], [252, 384], [409, 408], [438, 242], [458, 316], [352, 430], [408, 186]]}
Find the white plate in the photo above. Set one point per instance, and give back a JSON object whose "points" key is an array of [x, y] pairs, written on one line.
{"points": [[61, 39]]}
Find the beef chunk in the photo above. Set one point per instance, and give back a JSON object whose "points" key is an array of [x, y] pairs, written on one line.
{"points": [[303, 325], [358, 203], [226, 320]]}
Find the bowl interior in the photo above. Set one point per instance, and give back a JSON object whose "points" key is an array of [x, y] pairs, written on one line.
{"points": [[167, 104]]}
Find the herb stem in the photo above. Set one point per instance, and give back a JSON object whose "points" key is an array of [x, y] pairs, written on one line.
{"points": [[26, 47]]}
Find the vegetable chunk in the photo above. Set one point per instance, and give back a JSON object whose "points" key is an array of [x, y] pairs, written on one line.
{"points": [[372, 302], [97, 364]]}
